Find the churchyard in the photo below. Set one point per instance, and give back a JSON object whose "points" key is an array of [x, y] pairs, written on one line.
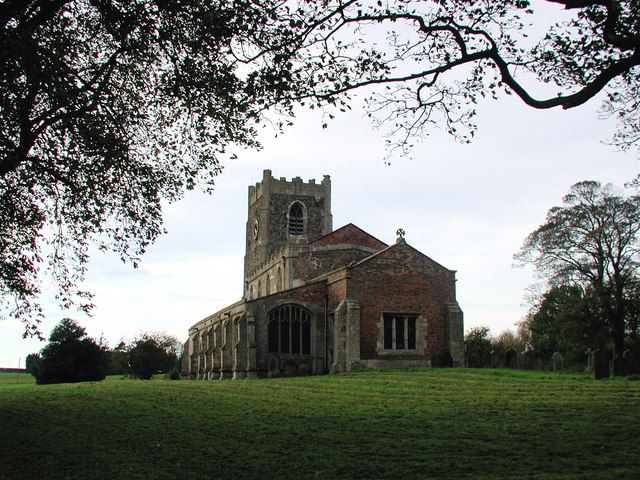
{"points": [[402, 424]]}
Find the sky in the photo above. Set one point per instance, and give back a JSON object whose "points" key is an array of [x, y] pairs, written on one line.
{"points": [[469, 207]]}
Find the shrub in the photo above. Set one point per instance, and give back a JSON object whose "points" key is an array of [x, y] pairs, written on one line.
{"points": [[71, 356], [146, 357]]}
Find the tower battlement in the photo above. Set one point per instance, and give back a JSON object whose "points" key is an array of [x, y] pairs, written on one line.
{"points": [[295, 186]]}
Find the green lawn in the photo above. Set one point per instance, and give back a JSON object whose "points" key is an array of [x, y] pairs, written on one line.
{"points": [[440, 423], [16, 378]]}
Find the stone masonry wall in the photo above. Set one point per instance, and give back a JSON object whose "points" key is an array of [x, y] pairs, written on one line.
{"points": [[311, 297], [315, 263], [402, 280]]}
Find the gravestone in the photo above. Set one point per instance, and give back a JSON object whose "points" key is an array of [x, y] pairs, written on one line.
{"points": [[496, 359], [511, 358], [273, 366], [589, 368], [632, 361], [558, 362], [601, 368], [529, 359]]}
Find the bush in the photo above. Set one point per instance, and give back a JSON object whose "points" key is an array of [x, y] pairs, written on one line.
{"points": [[477, 346], [147, 357], [71, 356]]}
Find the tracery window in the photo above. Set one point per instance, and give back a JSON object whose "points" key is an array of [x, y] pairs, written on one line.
{"points": [[296, 219], [399, 331], [289, 330]]}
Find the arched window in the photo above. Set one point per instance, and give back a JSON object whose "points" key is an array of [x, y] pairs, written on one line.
{"points": [[290, 330], [296, 219]]}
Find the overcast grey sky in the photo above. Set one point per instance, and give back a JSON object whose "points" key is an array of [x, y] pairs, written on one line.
{"points": [[468, 207]]}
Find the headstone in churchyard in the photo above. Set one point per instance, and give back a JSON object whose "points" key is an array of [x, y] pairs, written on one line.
{"points": [[558, 362], [632, 361], [511, 358], [273, 366], [529, 359], [601, 368], [496, 359], [589, 368]]}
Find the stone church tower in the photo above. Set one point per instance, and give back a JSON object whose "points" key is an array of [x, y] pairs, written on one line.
{"points": [[282, 214]]}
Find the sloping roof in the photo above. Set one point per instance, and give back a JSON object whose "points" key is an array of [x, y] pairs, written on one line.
{"points": [[350, 234], [397, 244]]}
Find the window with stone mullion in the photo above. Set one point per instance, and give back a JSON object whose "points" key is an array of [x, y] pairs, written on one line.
{"points": [[399, 332]]}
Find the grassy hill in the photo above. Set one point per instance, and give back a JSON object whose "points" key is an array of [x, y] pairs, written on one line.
{"points": [[441, 423]]}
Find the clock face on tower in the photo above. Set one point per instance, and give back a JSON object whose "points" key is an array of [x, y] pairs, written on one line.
{"points": [[255, 229]]}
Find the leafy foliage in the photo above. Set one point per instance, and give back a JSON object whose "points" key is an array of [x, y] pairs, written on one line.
{"points": [[477, 345], [108, 109], [591, 242], [31, 363], [70, 356], [151, 354], [566, 320]]}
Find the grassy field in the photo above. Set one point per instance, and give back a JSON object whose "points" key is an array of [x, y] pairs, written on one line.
{"points": [[441, 423], [16, 378]]}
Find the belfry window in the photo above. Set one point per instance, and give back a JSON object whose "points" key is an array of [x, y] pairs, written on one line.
{"points": [[290, 330], [399, 331], [296, 219]]}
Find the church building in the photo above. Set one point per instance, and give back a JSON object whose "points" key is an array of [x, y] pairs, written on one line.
{"points": [[318, 300]]}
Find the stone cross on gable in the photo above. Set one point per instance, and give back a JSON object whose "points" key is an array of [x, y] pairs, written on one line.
{"points": [[400, 233]]}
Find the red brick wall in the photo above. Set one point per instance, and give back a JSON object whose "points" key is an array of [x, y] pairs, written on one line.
{"points": [[401, 280], [350, 235], [314, 264]]}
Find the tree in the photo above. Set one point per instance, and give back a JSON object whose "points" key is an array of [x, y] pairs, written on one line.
{"points": [[31, 363], [508, 340], [477, 345], [566, 319], [152, 353], [436, 60], [71, 356], [107, 109], [591, 242], [118, 359]]}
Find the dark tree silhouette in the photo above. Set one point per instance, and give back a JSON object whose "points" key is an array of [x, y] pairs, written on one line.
{"points": [[107, 108], [151, 354], [71, 356], [592, 241]]}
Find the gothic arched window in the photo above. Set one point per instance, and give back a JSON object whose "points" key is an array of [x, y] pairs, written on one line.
{"points": [[296, 219], [290, 330]]}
